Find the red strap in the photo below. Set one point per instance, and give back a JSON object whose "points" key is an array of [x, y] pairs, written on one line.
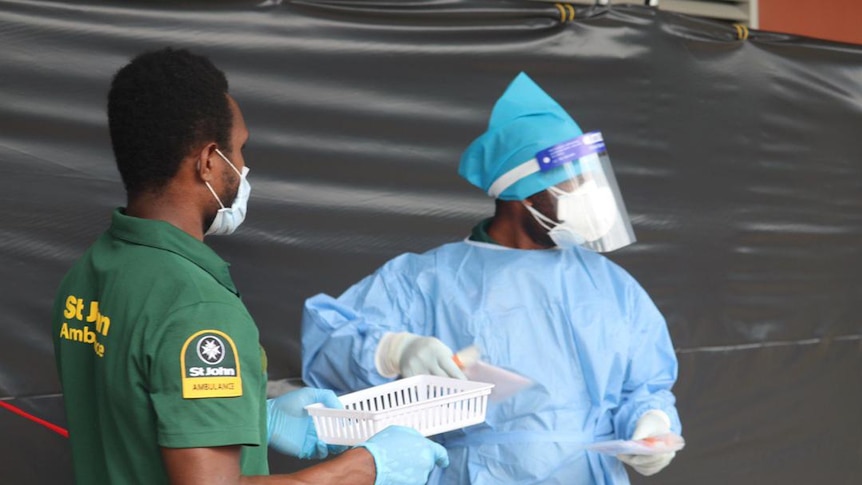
{"points": [[53, 427]]}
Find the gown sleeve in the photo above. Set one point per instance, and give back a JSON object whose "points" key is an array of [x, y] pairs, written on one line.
{"points": [[651, 369], [340, 336]]}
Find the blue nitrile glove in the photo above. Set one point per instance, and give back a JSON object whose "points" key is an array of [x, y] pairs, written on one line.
{"points": [[403, 456], [289, 427]]}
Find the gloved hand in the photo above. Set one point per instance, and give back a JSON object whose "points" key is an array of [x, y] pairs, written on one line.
{"points": [[289, 427], [653, 423], [403, 456], [409, 355]]}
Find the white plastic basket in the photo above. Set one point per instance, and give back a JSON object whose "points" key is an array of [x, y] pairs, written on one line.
{"points": [[429, 404]]}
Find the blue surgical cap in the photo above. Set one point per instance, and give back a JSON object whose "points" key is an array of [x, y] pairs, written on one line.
{"points": [[524, 121]]}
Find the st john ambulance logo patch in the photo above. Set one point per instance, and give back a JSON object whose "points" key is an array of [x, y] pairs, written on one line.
{"points": [[210, 366], [211, 349]]}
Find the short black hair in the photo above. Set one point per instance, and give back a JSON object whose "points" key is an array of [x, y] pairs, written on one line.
{"points": [[161, 105]]}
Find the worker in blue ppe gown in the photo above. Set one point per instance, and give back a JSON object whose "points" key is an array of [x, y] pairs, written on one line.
{"points": [[530, 289]]}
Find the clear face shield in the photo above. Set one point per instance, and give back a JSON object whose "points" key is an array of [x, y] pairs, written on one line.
{"points": [[589, 210]]}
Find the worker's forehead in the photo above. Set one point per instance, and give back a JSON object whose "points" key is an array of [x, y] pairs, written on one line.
{"points": [[573, 183]]}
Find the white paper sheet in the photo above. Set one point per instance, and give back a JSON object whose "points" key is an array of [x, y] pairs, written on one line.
{"points": [[506, 383], [649, 446]]}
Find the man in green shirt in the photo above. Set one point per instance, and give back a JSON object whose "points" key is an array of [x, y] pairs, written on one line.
{"points": [[162, 371]]}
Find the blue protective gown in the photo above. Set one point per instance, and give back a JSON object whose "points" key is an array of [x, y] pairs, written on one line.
{"points": [[571, 320]]}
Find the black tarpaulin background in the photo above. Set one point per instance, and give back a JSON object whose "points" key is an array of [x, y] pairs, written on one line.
{"points": [[740, 162]]}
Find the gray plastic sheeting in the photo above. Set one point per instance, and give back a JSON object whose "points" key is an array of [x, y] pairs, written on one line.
{"points": [[740, 162]]}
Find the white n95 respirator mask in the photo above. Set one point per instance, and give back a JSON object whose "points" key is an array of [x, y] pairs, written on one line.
{"points": [[589, 211], [585, 215]]}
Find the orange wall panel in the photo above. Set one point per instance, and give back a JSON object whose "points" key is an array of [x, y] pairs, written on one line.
{"points": [[838, 20]]}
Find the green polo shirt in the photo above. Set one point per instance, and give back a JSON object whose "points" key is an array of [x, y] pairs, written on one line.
{"points": [[480, 232], [154, 349]]}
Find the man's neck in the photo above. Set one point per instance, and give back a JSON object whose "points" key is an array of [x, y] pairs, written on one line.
{"points": [[508, 227], [163, 207]]}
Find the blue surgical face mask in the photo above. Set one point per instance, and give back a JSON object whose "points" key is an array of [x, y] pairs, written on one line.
{"points": [[227, 219]]}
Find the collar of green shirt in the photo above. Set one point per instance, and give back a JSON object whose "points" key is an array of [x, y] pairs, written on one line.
{"points": [[166, 236], [480, 232]]}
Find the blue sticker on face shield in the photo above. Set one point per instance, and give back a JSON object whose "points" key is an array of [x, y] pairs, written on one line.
{"points": [[571, 150]]}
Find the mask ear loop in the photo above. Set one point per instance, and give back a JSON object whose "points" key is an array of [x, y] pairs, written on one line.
{"points": [[210, 186], [228, 162], [558, 194], [214, 194], [541, 218]]}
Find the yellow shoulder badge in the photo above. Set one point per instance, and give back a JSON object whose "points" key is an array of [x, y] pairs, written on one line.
{"points": [[210, 366]]}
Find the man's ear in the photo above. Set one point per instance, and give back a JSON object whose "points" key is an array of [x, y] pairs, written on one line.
{"points": [[205, 163]]}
